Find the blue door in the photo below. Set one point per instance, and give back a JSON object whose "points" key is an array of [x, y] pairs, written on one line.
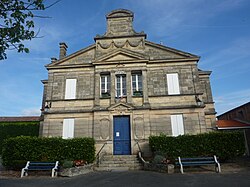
{"points": [[121, 135]]}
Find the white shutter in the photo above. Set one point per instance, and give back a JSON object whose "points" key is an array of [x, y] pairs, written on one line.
{"points": [[180, 124], [70, 89], [173, 83], [177, 125], [68, 128], [174, 125]]}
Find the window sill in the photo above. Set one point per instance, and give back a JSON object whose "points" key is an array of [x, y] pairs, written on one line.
{"points": [[137, 95], [108, 97]]}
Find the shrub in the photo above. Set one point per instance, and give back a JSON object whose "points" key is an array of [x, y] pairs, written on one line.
{"points": [[14, 129], [226, 145], [23, 148]]}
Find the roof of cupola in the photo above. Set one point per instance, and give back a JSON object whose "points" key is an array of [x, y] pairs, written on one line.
{"points": [[120, 24], [120, 13]]}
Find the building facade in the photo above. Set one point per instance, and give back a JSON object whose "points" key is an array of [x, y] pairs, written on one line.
{"points": [[123, 88], [241, 113]]}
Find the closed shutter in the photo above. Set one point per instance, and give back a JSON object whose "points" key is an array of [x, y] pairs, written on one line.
{"points": [[173, 83], [68, 128], [177, 125], [70, 89]]}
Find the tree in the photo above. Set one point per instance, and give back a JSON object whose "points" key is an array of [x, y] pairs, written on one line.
{"points": [[17, 23]]}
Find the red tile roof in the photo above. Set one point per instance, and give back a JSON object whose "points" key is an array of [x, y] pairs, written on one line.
{"points": [[21, 118], [232, 124]]}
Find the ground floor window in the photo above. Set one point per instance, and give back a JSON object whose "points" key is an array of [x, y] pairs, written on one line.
{"points": [[177, 125], [68, 128]]}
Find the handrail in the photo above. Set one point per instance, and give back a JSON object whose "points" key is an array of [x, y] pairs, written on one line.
{"points": [[138, 146], [140, 153], [98, 154]]}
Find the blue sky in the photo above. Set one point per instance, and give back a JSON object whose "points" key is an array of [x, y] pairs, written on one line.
{"points": [[216, 30]]}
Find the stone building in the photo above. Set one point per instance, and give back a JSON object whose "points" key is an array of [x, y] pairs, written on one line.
{"points": [[124, 88]]}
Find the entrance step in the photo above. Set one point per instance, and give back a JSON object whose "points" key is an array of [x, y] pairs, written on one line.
{"points": [[119, 163]]}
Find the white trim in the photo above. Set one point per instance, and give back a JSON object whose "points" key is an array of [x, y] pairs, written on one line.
{"points": [[230, 128]]}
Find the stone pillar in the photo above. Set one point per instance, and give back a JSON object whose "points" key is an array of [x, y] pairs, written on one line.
{"points": [[145, 87], [112, 88], [49, 87], [97, 89], [129, 91]]}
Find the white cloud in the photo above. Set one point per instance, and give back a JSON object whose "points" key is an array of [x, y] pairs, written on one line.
{"points": [[232, 54], [231, 100], [31, 112]]}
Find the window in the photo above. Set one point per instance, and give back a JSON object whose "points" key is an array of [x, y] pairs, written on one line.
{"points": [[137, 84], [68, 128], [177, 125], [70, 89], [121, 86], [173, 84], [105, 85]]}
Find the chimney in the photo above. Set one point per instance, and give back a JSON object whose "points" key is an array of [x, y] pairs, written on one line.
{"points": [[53, 59], [63, 50]]}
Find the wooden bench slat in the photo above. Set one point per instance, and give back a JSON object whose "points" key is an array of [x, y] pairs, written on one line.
{"points": [[41, 163], [40, 167], [198, 158]]}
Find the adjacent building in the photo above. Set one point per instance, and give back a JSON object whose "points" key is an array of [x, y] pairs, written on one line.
{"points": [[124, 88], [237, 119]]}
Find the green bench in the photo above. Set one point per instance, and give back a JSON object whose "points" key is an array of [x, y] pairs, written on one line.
{"points": [[198, 161], [41, 166]]}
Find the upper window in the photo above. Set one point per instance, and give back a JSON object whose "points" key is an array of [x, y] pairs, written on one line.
{"points": [[177, 125], [70, 89], [173, 84], [121, 86], [137, 84], [105, 85]]}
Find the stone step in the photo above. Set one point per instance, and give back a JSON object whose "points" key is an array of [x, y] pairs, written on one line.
{"points": [[120, 162], [111, 168], [121, 168], [120, 157]]}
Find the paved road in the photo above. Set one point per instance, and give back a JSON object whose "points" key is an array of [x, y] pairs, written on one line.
{"points": [[135, 178]]}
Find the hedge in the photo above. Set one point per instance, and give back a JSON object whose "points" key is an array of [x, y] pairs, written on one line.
{"points": [[14, 129], [16, 151], [226, 145]]}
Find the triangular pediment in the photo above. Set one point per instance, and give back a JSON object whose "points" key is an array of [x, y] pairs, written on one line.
{"points": [[120, 107], [121, 55], [158, 51], [81, 57]]}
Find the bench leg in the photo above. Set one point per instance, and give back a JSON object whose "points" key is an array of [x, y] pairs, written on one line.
{"points": [[24, 173], [181, 169], [217, 168], [54, 173]]}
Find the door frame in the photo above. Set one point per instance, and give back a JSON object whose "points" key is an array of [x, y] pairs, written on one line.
{"points": [[129, 131]]}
